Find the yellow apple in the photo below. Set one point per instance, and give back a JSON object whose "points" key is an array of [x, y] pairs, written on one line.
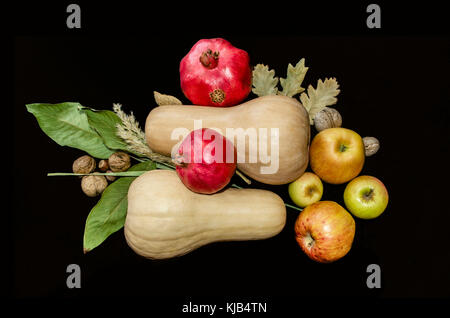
{"points": [[337, 155], [306, 190]]}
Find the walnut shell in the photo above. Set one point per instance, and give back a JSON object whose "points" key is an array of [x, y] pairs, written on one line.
{"points": [[103, 165], [119, 161], [327, 118], [371, 145], [84, 164], [110, 178], [92, 186]]}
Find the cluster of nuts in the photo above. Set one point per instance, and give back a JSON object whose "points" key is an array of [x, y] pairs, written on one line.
{"points": [[94, 185], [330, 118]]}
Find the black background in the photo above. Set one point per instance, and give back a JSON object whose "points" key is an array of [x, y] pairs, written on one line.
{"points": [[394, 86]]}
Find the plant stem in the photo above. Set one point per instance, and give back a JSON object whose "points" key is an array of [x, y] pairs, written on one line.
{"points": [[116, 174], [293, 207], [138, 159], [286, 204], [137, 174], [240, 174], [164, 166]]}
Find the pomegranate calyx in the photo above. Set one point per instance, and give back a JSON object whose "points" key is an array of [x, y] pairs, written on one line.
{"points": [[209, 59], [178, 160]]}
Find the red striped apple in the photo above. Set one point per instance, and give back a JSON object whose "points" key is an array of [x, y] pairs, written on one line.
{"points": [[337, 155], [366, 197], [325, 231]]}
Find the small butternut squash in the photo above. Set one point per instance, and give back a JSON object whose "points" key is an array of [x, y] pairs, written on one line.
{"points": [[165, 219], [275, 131]]}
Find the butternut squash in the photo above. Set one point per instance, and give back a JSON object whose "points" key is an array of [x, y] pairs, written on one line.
{"points": [[165, 219], [275, 130]]}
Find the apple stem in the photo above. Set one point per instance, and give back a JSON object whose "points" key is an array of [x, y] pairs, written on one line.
{"points": [[368, 195]]}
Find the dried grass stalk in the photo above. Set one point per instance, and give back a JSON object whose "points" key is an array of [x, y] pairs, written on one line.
{"points": [[130, 132]]}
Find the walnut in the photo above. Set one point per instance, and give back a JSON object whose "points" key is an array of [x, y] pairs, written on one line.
{"points": [[110, 178], [119, 161], [92, 186], [371, 145], [84, 164], [327, 118], [103, 165]]}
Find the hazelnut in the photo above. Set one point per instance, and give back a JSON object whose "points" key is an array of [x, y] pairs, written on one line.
{"points": [[110, 178], [327, 118], [92, 186], [103, 165], [371, 145], [84, 164], [119, 161]]}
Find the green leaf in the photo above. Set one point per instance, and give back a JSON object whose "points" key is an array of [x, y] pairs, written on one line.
{"points": [[293, 81], [264, 81], [68, 125], [104, 122], [108, 215]]}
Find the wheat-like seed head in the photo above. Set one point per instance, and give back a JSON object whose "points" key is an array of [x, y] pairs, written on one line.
{"points": [[130, 132]]}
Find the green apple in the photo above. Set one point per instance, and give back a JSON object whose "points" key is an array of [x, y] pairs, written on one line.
{"points": [[366, 197], [306, 190]]}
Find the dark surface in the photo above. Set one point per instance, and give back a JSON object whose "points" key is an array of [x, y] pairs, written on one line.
{"points": [[392, 87]]}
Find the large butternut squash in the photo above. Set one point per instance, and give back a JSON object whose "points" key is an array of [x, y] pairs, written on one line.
{"points": [[165, 219], [268, 119]]}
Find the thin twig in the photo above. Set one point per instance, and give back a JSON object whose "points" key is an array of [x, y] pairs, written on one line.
{"points": [[240, 174]]}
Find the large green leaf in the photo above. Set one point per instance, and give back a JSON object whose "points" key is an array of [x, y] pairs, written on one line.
{"points": [[68, 125], [105, 123], [108, 216]]}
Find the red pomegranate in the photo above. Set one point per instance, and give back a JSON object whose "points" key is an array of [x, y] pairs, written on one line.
{"points": [[215, 73], [206, 161]]}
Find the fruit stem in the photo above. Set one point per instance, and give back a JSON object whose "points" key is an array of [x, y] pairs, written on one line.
{"points": [[240, 174], [368, 195], [293, 207]]}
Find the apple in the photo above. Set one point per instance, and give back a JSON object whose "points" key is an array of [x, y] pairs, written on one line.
{"points": [[325, 231], [306, 190], [337, 155], [366, 197]]}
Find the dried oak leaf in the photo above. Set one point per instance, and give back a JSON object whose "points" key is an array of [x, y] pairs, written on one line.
{"points": [[316, 99], [163, 99], [264, 81], [293, 81]]}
